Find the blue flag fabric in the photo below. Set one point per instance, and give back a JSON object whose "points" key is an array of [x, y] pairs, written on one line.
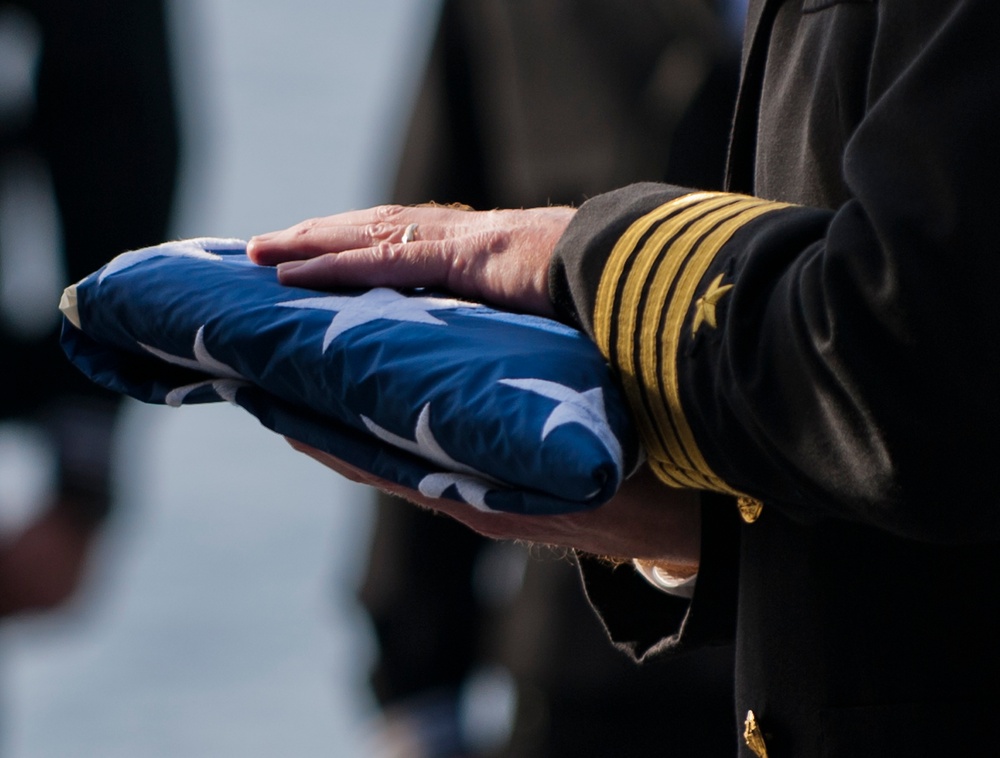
{"points": [[451, 398]]}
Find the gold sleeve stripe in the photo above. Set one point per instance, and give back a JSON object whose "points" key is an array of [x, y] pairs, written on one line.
{"points": [[661, 419], [668, 474], [665, 366], [619, 258], [657, 372], [700, 213], [645, 294], [634, 265]]}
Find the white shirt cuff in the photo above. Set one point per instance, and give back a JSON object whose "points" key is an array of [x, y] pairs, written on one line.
{"points": [[664, 581]]}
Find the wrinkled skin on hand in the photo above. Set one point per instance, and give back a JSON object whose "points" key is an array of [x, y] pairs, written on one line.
{"points": [[645, 519], [499, 257]]}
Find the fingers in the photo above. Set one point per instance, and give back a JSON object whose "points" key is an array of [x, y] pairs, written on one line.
{"points": [[303, 242], [354, 230], [389, 264], [496, 257], [360, 476], [319, 237]]}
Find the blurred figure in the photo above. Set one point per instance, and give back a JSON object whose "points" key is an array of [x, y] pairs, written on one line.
{"points": [[487, 650], [87, 119]]}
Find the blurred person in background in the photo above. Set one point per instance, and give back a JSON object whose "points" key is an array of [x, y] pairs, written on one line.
{"points": [[485, 649], [88, 129]]}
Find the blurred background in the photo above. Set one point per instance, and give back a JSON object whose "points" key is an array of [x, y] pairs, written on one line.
{"points": [[220, 612], [218, 615]]}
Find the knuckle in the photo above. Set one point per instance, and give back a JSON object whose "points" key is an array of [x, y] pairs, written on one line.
{"points": [[377, 232], [497, 240], [468, 270], [388, 213], [387, 253], [306, 228], [458, 273]]}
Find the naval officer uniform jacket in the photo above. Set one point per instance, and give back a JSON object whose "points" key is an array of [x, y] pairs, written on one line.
{"points": [[816, 351]]}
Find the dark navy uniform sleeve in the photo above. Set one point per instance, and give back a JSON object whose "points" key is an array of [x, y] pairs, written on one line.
{"points": [[827, 363], [831, 362]]}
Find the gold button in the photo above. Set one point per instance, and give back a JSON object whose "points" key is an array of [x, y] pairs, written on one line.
{"points": [[750, 508], [753, 736]]}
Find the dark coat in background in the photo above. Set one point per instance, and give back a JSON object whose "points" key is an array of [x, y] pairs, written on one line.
{"points": [[101, 119], [89, 152]]}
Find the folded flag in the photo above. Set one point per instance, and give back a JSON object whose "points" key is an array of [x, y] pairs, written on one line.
{"points": [[454, 399]]}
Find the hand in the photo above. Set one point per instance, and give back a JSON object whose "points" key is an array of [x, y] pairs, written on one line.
{"points": [[646, 519], [499, 257]]}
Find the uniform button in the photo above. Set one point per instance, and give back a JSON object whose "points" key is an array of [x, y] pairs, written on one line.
{"points": [[753, 736], [750, 508]]}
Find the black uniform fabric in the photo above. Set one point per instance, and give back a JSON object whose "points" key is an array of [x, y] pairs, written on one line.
{"points": [[105, 123], [526, 103], [826, 353]]}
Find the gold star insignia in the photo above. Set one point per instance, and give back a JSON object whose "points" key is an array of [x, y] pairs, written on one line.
{"points": [[705, 305]]}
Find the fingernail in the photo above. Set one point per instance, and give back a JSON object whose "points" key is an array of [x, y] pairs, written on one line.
{"points": [[284, 268], [252, 244], [255, 242]]}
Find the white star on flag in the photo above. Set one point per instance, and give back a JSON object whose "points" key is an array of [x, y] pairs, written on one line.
{"points": [[472, 490], [375, 304], [472, 485], [584, 408], [193, 248], [224, 388], [227, 379], [203, 360]]}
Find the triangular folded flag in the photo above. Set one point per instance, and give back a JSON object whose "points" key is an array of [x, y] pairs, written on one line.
{"points": [[499, 410]]}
